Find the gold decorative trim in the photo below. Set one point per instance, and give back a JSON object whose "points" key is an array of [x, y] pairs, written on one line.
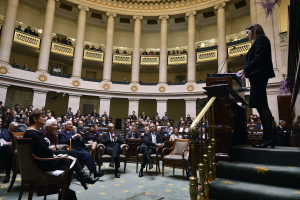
{"points": [[134, 88], [76, 83], [106, 86], [227, 182], [162, 88], [190, 88], [3, 69], [42, 77], [261, 170]]}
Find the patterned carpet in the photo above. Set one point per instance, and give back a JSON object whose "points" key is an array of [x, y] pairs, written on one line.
{"points": [[129, 186]]}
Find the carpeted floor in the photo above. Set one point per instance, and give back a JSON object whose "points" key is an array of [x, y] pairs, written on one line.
{"points": [[129, 186]]}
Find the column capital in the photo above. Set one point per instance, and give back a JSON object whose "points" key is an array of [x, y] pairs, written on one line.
{"points": [[83, 8], [161, 99], [105, 98], [133, 99], [74, 95], [190, 13], [220, 5], [164, 17], [111, 14], [4, 85], [138, 17], [191, 99], [37, 90]]}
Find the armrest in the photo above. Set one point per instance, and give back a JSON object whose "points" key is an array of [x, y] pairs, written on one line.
{"points": [[88, 146], [101, 148], [62, 146], [185, 154], [125, 149], [138, 151], [163, 151]]}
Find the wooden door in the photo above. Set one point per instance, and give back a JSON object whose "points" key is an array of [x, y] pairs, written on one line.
{"points": [[284, 112]]}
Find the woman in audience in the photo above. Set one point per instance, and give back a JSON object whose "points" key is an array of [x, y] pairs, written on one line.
{"points": [[75, 129], [78, 114], [21, 114], [188, 117], [181, 119], [82, 118], [26, 112], [87, 46], [54, 39], [49, 130], [176, 135], [63, 127], [44, 148], [92, 137], [43, 109], [7, 113]]}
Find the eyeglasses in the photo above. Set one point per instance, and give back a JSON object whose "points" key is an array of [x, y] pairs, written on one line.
{"points": [[151, 126]]}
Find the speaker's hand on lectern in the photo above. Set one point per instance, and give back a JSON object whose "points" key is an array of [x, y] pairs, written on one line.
{"points": [[242, 74]]}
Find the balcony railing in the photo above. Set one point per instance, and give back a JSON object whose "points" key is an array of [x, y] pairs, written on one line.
{"points": [[240, 49], [149, 60], [27, 39], [177, 59], [123, 59], [62, 49], [93, 55], [207, 56]]}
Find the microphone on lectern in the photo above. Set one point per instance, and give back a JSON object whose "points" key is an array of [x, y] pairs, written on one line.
{"points": [[225, 59], [234, 62]]}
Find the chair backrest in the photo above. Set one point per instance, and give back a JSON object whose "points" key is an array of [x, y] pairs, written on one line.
{"points": [[29, 170], [14, 136], [179, 146]]}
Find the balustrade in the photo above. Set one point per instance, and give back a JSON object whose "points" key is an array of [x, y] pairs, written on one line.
{"points": [[283, 38], [239, 49], [123, 59], [177, 59], [62, 49], [149, 60], [93, 55], [207, 56], [27, 39]]}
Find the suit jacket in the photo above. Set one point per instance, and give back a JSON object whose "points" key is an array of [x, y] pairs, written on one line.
{"points": [[81, 130], [281, 131], [69, 116], [87, 134], [5, 135], [11, 119], [103, 123], [95, 114], [148, 139], [21, 128], [165, 117], [131, 134], [259, 58], [15, 66], [103, 115], [28, 31], [64, 138], [133, 117], [144, 117], [107, 142]]}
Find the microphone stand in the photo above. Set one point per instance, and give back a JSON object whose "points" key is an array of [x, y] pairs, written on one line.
{"points": [[234, 62], [226, 59]]}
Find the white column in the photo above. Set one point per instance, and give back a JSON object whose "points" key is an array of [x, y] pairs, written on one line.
{"points": [[47, 37], [222, 46], [7, 32], [135, 73], [190, 107], [74, 102], [104, 105], [162, 107], [39, 98], [163, 49], [3, 91], [191, 67], [109, 46], [253, 12], [78, 54], [133, 106]]}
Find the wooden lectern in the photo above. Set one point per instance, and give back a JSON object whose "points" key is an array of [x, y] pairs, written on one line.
{"points": [[230, 117]]}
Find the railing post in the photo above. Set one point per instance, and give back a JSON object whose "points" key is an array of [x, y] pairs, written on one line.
{"points": [[213, 141], [193, 178], [201, 166], [210, 148], [205, 159]]}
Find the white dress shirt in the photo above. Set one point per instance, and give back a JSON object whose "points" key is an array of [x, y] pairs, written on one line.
{"points": [[153, 137]]}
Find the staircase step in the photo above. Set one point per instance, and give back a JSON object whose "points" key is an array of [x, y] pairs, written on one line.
{"points": [[287, 176], [283, 156], [226, 189]]}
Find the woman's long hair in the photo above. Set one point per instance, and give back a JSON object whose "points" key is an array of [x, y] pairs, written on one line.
{"points": [[256, 30]]}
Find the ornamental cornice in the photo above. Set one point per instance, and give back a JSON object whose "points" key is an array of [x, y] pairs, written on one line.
{"points": [[83, 8]]}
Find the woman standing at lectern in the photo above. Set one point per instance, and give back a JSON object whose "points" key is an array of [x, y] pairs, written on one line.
{"points": [[259, 68]]}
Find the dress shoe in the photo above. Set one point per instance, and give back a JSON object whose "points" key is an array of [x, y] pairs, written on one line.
{"points": [[111, 165], [265, 144], [84, 179], [150, 166], [96, 174], [141, 174], [6, 179], [117, 174]]}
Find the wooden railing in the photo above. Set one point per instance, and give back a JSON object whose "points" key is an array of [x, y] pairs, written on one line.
{"points": [[177, 59], [62, 49], [149, 60], [93, 55], [27, 39], [207, 166], [207, 56], [123, 59]]}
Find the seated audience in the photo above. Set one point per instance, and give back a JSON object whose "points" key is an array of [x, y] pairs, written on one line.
{"points": [[30, 109], [95, 114], [171, 131], [184, 51], [92, 137], [251, 118], [21, 114], [78, 147], [183, 129], [88, 116], [49, 130], [80, 129], [68, 42], [255, 117], [177, 51], [112, 142], [69, 113], [7, 114], [166, 116], [104, 114], [117, 51], [23, 127], [124, 52], [175, 135], [54, 39], [59, 40], [283, 134], [6, 151], [25, 67], [93, 48], [82, 118], [133, 134], [28, 30], [145, 53], [78, 114], [35, 33], [167, 129], [158, 130], [17, 108], [103, 122], [125, 80], [188, 117], [44, 148], [148, 120], [19, 28], [133, 116], [144, 116], [87, 46], [12, 118], [181, 119], [99, 49], [259, 125], [143, 126], [13, 127], [151, 142], [151, 53], [15, 64], [173, 52], [63, 127]]}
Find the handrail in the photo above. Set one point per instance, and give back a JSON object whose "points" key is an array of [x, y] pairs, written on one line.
{"points": [[207, 166]]}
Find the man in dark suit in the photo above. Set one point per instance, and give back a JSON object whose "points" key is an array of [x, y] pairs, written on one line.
{"points": [[68, 42], [133, 116], [112, 142], [23, 127], [104, 115], [151, 142], [133, 134], [166, 116], [6, 151], [103, 122], [283, 134], [154, 117], [81, 129], [144, 116], [12, 118], [28, 30], [15, 65], [78, 147], [69, 113], [94, 114]]}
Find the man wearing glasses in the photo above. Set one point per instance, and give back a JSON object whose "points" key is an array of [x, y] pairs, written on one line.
{"points": [[112, 142], [151, 142]]}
